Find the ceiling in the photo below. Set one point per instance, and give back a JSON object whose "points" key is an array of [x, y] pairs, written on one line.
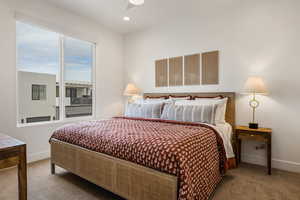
{"points": [[110, 13]]}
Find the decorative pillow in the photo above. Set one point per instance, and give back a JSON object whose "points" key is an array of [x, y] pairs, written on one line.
{"points": [[221, 111], [190, 113], [221, 107], [146, 110]]}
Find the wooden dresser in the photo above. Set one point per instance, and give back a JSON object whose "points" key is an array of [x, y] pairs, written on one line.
{"points": [[13, 153]]}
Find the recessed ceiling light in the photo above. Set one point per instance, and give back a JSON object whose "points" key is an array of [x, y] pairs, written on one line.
{"points": [[136, 2], [126, 18]]}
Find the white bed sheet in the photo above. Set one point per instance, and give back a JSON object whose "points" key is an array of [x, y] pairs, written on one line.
{"points": [[225, 131]]}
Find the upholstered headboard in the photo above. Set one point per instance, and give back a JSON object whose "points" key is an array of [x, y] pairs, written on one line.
{"points": [[230, 109]]}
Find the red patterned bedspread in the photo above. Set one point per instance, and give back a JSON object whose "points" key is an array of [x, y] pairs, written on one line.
{"points": [[193, 152]]}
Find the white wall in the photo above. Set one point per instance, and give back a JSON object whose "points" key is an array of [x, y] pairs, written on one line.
{"points": [[109, 67], [258, 37]]}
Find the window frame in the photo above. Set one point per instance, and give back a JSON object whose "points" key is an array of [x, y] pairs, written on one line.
{"points": [[62, 115]]}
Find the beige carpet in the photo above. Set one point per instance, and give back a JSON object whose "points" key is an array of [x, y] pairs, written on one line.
{"points": [[248, 182]]}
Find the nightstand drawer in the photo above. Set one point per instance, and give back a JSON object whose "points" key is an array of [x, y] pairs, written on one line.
{"points": [[250, 136]]}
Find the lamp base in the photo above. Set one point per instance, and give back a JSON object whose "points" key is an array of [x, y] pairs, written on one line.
{"points": [[253, 125]]}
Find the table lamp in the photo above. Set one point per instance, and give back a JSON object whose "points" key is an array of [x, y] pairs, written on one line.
{"points": [[254, 85], [131, 91]]}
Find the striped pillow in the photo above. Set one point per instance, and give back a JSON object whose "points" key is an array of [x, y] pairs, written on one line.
{"points": [[190, 113], [146, 110]]}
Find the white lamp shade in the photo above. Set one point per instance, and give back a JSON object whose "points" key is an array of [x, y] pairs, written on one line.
{"points": [[131, 90], [256, 85]]}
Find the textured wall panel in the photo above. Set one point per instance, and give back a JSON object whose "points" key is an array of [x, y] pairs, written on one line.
{"points": [[192, 69], [176, 71], [161, 73], [210, 68]]}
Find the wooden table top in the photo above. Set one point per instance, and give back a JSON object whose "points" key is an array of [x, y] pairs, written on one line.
{"points": [[7, 142], [246, 128]]}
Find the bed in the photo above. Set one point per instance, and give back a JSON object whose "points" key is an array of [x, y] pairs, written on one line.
{"points": [[132, 168]]}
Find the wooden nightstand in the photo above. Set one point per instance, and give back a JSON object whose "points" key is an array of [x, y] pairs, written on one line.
{"points": [[260, 134], [13, 153]]}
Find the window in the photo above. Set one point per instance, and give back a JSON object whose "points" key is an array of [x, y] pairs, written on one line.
{"points": [[78, 62], [38, 92], [55, 75]]}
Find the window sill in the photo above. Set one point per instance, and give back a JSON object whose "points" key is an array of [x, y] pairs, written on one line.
{"points": [[67, 120]]}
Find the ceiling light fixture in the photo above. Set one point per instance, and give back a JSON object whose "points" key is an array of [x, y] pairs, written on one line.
{"points": [[137, 2], [126, 18]]}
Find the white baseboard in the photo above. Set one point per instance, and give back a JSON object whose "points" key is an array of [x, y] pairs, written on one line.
{"points": [[276, 163], [286, 165], [38, 156]]}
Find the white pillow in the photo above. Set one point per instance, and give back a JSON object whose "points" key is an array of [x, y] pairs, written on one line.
{"points": [[138, 101], [190, 113], [147, 110], [180, 98], [221, 109], [151, 101]]}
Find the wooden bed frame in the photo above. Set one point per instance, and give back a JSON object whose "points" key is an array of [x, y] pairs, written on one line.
{"points": [[124, 178]]}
